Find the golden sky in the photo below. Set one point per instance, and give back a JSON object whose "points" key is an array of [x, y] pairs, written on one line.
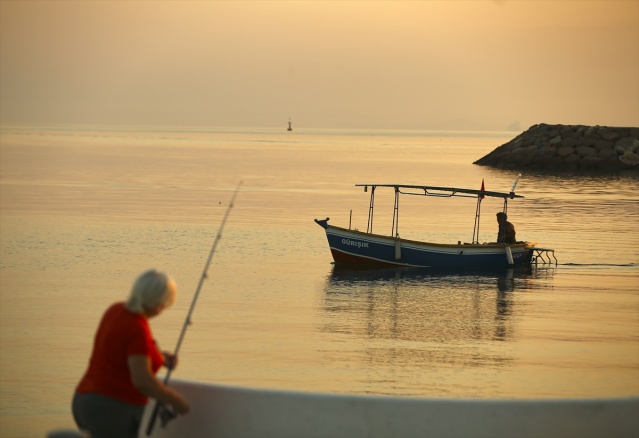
{"points": [[475, 65]]}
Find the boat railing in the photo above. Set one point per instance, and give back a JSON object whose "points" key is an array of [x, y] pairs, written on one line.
{"points": [[542, 255]]}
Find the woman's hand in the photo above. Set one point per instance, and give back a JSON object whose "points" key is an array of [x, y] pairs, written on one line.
{"points": [[144, 381], [170, 360], [180, 405]]}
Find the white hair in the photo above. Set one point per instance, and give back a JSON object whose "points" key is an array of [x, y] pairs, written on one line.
{"points": [[151, 290]]}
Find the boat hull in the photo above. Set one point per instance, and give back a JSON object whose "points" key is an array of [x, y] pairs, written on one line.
{"points": [[224, 411], [350, 247]]}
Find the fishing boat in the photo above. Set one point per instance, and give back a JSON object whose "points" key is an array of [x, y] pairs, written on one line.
{"points": [[358, 248]]}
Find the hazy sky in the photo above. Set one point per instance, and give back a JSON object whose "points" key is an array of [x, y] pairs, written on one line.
{"points": [[480, 64]]}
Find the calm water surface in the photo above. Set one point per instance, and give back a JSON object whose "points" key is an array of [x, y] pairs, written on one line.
{"points": [[83, 212]]}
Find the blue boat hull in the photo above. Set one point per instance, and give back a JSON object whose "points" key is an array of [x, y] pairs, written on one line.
{"points": [[350, 247]]}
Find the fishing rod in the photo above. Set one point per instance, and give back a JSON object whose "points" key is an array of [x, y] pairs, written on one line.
{"points": [[166, 413]]}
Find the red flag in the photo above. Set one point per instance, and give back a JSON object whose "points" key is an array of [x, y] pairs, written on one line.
{"points": [[482, 188]]}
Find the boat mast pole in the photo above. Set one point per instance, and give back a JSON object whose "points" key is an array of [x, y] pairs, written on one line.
{"points": [[369, 226], [395, 228], [477, 217]]}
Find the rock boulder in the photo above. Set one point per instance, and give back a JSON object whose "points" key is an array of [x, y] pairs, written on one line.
{"points": [[569, 148]]}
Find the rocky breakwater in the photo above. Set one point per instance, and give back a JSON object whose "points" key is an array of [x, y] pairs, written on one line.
{"points": [[569, 148]]}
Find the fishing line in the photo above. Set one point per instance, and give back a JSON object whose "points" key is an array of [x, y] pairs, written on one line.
{"points": [[165, 412]]}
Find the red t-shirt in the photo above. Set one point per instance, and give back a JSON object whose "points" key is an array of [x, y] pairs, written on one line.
{"points": [[120, 334]]}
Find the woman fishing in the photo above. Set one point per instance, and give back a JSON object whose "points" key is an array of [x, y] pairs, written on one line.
{"points": [[109, 400]]}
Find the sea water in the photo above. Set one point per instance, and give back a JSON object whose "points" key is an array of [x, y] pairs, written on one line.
{"points": [[84, 211]]}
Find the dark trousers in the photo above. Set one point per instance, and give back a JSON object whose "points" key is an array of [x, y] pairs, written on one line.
{"points": [[106, 417]]}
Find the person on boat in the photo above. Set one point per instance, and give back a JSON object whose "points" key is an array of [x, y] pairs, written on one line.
{"points": [[506, 233], [110, 398]]}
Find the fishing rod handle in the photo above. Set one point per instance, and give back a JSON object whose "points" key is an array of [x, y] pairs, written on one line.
{"points": [[154, 416]]}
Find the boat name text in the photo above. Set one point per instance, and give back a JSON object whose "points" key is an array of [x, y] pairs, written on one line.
{"points": [[354, 243]]}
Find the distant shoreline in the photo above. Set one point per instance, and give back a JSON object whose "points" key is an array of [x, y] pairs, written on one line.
{"points": [[569, 149]]}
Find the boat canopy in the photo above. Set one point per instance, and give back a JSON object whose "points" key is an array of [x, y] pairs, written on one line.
{"points": [[442, 191]]}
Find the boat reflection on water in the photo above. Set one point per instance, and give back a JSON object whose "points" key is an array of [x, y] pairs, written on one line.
{"points": [[504, 276], [421, 316]]}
